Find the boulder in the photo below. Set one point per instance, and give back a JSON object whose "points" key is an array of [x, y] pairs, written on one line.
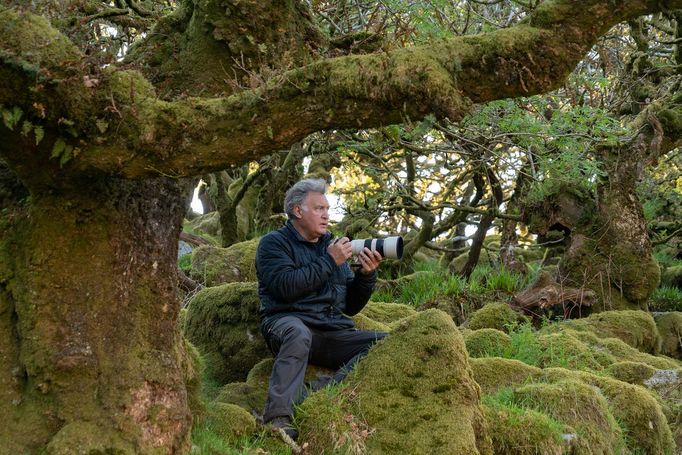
{"points": [[413, 393], [223, 323], [498, 316], [213, 265]]}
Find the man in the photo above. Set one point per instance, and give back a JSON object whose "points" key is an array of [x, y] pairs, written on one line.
{"points": [[307, 291]]}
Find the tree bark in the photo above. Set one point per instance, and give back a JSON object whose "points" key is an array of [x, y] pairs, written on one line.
{"points": [[92, 355]]}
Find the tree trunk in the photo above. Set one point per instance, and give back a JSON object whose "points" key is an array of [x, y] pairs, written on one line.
{"points": [[92, 356]]}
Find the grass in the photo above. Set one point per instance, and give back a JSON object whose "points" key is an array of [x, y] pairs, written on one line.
{"points": [[666, 298], [206, 442], [485, 282]]}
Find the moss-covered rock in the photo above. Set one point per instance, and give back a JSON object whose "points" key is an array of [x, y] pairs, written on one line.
{"points": [[670, 330], [494, 373], [610, 350], [363, 322], [486, 342], [519, 431], [414, 391], [87, 437], [498, 316], [635, 408], [206, 226], [672, 276], [230, 421], [636, 328], [213, 265], [387, 313], [579, 406], [223, 323], [631, 372]]}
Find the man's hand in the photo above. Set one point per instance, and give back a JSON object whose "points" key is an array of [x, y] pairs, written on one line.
{"points": [[369, 260], [340, 250]]}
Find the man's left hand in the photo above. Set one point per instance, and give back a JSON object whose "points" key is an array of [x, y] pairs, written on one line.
{"points": [[369, 260]]}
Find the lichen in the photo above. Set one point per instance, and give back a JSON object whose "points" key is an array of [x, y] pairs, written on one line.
{"points": [[87, 437]]}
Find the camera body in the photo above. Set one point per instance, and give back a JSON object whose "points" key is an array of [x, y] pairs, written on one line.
{"points": [[389, 247]]}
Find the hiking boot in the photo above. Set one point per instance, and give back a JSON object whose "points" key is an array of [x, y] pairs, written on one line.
{"points": [[282, 425]]}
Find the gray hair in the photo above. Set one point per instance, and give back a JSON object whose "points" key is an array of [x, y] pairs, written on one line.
{"points": [[297, 193]]}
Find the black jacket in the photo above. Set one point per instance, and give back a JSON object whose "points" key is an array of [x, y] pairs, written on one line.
{"points": [[299, 278]]}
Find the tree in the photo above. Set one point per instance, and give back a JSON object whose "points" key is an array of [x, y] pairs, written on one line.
{"points": [[92, 356]]}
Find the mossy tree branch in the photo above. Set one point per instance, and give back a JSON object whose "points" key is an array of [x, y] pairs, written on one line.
{"points": [[146, 137]]}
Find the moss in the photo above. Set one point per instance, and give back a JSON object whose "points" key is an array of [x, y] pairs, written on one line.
{"points": [[498, 316], [206, 226], [86, 437], [486, 342], [414, 389], [611, 350], [520, 431], [387, 313], [192, 367], [563, 349], [670, 329], [579, 406], [363, 322], [636, 328], [223, 323], [672, 276], [213, 266], [494, 373], [230, 421], [631, 372], [635, 408], [486, 258]]}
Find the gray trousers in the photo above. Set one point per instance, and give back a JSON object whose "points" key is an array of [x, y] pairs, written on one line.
{"points": [[294, 345]]}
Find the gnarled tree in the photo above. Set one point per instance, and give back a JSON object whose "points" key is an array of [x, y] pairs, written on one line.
{"points": [[91, 355]]}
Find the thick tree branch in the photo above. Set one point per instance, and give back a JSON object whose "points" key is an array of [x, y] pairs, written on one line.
{"points": [[147, 137]]}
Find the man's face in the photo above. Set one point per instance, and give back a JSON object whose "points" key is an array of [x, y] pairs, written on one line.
{"points": [[312, 216]]}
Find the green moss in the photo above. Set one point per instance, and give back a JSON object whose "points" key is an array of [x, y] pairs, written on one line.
{"points": [[223, 323], [35, 40], [498, 316], [414, 389], [670, 329], [519, 431], [631, 372], [581, 407], [230, 421], [363, 322], [206, 226], [213, 266], [494, 373], [387, 313], [636, 328], [611, 350], [86, 437], [635, 408], [486, 342]]}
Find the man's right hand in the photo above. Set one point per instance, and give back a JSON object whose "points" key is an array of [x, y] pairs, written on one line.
{"points": [[340, 250]]}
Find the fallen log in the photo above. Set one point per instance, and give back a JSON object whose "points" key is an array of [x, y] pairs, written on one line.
{"points": [[546, 293]]}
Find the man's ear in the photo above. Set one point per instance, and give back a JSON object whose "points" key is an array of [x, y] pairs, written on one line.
{"points": [[297, 211]]}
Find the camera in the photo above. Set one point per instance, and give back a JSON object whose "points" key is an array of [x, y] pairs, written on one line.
{"points": [[390, 247]]}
